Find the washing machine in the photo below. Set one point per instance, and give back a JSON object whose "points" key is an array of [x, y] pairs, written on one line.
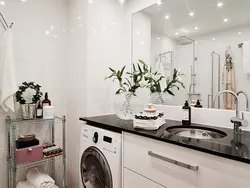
{"points": [[100, 158]]}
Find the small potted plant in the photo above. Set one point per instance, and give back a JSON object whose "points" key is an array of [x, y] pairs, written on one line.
{"points": [[165, 95], [125, 101], [28, 109]]}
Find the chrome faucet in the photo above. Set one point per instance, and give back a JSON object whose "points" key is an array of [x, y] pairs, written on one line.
{"points": [[247, 101], [237, 121]]}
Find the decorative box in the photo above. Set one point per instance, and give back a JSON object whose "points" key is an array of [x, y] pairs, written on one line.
{"points": [[29, 154]]}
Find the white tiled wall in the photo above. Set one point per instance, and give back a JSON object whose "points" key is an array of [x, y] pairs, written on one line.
{"points": [[38, 57], [96, 42]]}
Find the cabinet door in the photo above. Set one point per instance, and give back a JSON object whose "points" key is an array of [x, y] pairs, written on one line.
{"points": [[134, 180]]}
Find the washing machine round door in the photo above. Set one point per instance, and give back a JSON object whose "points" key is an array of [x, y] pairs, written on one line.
{"points": [[95, 170]]}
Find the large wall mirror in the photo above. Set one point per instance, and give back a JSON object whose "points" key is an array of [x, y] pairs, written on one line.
{"points": [[208, 40]]}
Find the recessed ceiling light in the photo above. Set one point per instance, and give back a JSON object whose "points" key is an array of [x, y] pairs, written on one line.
{"points": [[191, 14], [80, 25], [52, 27], [47, 32], [23, 1], [158, 38], [64, 30], [2, 3], [142, 42], [213, 38], [114, 23], [159, 9], [94, 32], [239, 33], [104, 27], [159, 2], [167, 17], [220, 4], [90, 1], [79, 17], [176, 33], [137, 32], [196, 27], [225, 20], [55, 36]]}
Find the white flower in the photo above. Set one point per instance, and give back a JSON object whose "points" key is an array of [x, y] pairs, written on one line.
{"points": [[143, 83], [178, 78]]}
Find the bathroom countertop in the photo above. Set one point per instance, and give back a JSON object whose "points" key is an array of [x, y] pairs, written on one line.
{"points": [[231, 147]]}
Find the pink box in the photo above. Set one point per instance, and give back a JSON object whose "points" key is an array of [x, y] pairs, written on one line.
{"points": [[29, 154]]}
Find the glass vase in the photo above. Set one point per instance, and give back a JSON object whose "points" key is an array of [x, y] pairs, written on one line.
{"points": [[162, 98], [125, 105]]}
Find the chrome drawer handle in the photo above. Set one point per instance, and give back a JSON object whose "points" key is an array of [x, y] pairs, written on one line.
{"points": [[178, 163]]}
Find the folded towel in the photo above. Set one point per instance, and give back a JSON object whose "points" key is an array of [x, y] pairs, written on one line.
{"points": [[24, 184], [246, 57], [39, 179]]}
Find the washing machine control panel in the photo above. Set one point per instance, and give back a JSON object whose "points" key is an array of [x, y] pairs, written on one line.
{"points": [[95, 137]]}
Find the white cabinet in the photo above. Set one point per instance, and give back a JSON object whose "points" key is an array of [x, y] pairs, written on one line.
{"points": [[134, 180], [179, 167]]}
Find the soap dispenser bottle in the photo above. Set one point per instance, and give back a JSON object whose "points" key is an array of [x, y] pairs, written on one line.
{"points": [[186, 114], [198, 104], [46, 101]]}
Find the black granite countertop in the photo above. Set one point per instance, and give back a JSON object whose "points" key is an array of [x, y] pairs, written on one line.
{"points": [[232, 146]]}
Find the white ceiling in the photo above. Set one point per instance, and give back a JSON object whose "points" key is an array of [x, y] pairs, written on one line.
{"points": [[208, 17]]}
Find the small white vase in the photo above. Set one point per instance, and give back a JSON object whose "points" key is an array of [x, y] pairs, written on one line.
{"points": [[125, 105], [162, 98]]}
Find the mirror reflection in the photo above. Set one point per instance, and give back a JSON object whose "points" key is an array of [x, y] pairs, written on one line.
{"points": [[208, 41]]}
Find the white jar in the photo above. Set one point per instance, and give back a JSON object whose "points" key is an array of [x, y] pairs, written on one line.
{"points": [[48, 112]]}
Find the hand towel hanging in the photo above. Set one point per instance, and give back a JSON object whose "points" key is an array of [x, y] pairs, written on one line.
{"points": [[8, 79]]}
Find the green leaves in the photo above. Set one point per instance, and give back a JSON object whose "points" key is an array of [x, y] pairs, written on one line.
{"points": [[22, 89], [142, 76]]}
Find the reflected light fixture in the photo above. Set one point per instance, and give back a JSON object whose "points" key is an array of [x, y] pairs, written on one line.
{"points": [[225, 20], [2, 3], [23, 1], [176, 33], [90, 1], [158, 38], [196, 28], [47, 32], [167, 17], [191, 14], [213, 38], [159, 2], [220, 4], [142, 42], [239, 33], [137, 32]]}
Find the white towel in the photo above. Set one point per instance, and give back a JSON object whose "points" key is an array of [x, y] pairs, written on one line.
{"points": [[24, 184], [39, 179], [8, 79], [246, 57]]}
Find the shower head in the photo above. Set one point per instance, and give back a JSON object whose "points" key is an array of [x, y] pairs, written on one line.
{"points": [[183, 41]]}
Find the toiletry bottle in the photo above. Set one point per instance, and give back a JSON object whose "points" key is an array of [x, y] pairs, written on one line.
{"points": [[46, 101], [39, 111], [198, 104], [186, 114]]}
